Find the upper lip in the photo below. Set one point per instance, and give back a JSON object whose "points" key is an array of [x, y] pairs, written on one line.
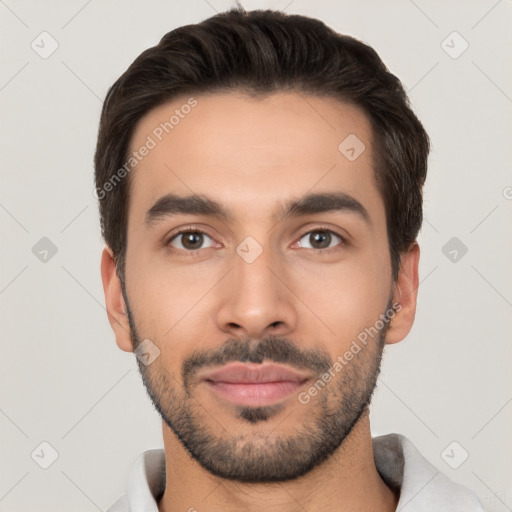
{"points": [[250, 373]]}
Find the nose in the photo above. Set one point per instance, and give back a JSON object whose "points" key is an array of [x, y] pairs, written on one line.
{"points": [[256, 299]]}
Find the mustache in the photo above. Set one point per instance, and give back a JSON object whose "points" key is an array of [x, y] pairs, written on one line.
{"points": [[272, 348]]}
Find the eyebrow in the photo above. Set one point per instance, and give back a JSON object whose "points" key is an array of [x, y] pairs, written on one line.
{"points": [[172, 204]]}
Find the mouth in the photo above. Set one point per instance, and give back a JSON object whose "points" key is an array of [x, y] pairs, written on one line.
{"points": [[254, 385]]}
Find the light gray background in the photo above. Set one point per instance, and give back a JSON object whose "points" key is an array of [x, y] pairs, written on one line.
{"points": [[64, 381]]}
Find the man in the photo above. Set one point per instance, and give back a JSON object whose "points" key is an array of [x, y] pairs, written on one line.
{"points": [[260, 186]]}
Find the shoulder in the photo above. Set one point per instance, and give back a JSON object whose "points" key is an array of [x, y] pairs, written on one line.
{"points": [[422, 486]]}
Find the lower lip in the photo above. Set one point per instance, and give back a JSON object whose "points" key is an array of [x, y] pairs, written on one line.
{"points": [[254, 394]]}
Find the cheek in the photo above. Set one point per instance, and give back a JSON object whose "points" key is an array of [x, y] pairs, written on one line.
{"points": [[166, 299], [346, 297], [166, 311]]}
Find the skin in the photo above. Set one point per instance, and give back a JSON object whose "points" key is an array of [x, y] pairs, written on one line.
{"points": [[250, 155]]}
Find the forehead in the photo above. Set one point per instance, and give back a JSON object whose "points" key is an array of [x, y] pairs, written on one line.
{"points": [[252, 153]]}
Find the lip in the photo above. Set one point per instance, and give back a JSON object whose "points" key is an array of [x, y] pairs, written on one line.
{"points": [[252, 384]]}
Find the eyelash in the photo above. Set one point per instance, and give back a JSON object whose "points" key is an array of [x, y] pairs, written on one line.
{"points": [[192, 229]]}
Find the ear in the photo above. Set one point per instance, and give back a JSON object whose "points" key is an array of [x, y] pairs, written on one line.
{"points": [[405, 294], [114, 300]]}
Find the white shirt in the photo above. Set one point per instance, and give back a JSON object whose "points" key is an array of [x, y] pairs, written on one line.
{"points": [[423, 488]]}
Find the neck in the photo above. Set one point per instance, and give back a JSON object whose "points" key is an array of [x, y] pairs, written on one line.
{"points": [[348, 480]]}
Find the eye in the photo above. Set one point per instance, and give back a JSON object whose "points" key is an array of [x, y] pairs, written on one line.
{"points": [[320, 239], [189, 240]]}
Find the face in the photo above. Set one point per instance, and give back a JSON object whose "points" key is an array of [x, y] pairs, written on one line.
{"points": [[257, 259]]}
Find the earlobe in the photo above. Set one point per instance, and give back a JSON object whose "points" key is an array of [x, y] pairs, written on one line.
{"points": [[114, 301], [405, 295]]}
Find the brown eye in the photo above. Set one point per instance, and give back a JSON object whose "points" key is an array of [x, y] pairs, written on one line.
{"points": [[320, 239], [189, 240]]}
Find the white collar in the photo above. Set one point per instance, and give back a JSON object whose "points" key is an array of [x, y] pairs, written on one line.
{"points": [[400, 464]]}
